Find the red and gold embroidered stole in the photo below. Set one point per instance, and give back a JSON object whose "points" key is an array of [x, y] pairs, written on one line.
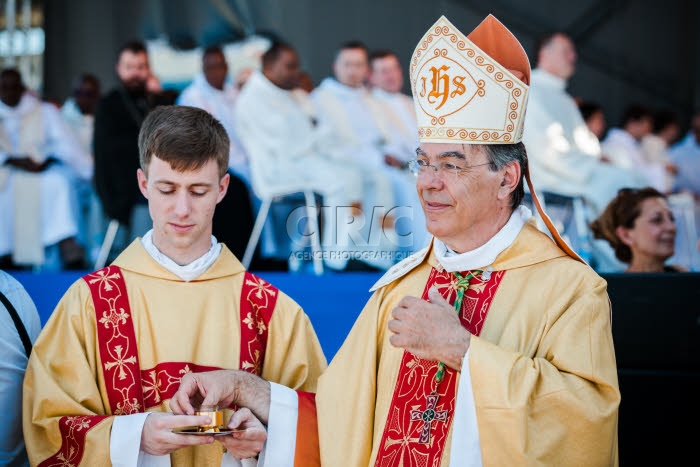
{"points": [[419, 421], [129, 388]]}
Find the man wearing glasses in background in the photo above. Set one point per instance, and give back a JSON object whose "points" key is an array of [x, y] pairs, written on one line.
{"points": [[493, 345]]}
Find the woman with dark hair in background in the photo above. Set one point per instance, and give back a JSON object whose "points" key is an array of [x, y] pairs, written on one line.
{"points": [[640, 227]]}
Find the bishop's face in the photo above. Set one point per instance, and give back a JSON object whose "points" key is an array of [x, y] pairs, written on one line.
{"points": [[459, 206]]}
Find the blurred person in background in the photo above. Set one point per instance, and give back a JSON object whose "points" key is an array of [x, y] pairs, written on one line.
{"points": [[78, 111], [287, 144], [39, 159], [656, 144], [594, 117], [686, 156], [386, 81], [640, 227], [565, 156], [118, 118], [623, 146], [371, 137], [213, 91]]}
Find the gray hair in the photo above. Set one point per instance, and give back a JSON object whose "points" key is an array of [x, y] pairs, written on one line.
{"points": [[499, 155]]}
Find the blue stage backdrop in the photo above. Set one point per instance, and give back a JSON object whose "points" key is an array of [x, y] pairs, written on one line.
{"points": [[332, 301]]}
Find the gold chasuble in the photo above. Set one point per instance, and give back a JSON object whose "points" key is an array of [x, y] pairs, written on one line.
{"points": [[541, 361], [122, 337]]}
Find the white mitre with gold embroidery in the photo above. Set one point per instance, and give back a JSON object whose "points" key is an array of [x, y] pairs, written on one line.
{"points": [[470, 89]]}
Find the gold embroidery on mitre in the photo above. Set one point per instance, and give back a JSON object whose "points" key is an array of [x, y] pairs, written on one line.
{"points": [[461, 94]]}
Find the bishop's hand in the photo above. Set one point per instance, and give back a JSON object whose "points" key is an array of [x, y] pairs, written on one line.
{"points": [[429, 330], [222, 388]]}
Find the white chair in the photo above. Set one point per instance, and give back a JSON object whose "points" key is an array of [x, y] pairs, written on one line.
{"points": [[568, 213], [107, 243], [139, 224], [313, 225], [270, 193]]}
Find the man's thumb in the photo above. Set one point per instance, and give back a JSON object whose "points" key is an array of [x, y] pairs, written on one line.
{"points": [[435, 297]]}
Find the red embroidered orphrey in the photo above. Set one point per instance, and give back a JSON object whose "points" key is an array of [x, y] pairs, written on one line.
{"points": [[116, 341], [133, 390], [417, 437], [258, 300], [73, 432]]}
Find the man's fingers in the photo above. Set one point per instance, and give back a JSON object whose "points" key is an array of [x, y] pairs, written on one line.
{"points": [[183, 440], [394, 326], [407, 302], [240, 419], [397, 341], [180, 402]]}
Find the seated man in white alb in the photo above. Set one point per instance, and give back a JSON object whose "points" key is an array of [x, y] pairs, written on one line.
{"points": [[37, 153], [656, 145], [623, 146], [212, 91], [287, 148], [686, 156], [364, 132], [565, 157], [78, 111], [386, 81]]}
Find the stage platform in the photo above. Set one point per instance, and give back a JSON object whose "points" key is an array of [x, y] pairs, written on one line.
{"points": [[656, 330], [332, 301]]}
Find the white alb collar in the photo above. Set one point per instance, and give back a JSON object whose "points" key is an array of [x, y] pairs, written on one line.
{"points": [[188, 271], [485, 255], [342, 89], [545, 77]]}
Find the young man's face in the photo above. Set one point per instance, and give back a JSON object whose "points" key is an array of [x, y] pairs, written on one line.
{"points": [[351, 68], [182, 206], [386, 74]]}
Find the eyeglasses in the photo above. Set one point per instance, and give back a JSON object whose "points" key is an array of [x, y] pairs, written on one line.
{"points": [[446, 169]]}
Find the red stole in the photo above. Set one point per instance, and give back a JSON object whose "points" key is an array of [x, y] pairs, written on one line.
{"points": [[419, 421], [131, 389]]}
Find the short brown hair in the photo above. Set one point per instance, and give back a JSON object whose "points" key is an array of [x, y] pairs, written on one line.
{"points": [[185, 137], [622, 211]]}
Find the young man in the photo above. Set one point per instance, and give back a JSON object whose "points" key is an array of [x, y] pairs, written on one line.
{"points": [[175, 301], [493, 345]]}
